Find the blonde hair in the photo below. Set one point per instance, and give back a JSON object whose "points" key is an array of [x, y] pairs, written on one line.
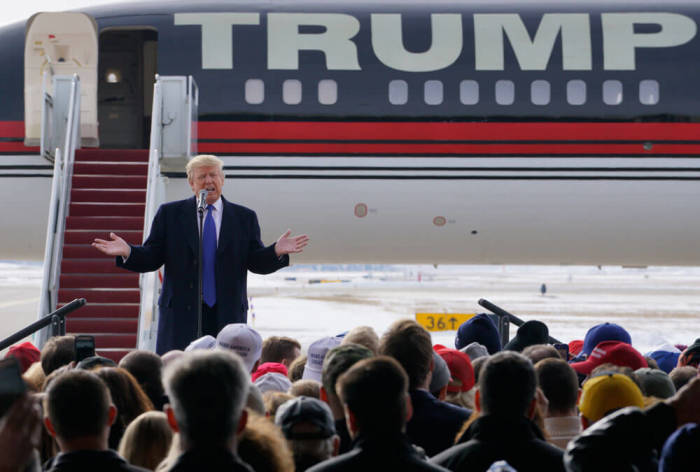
{"points": [[34, 377], [203, 160], [306, 388], [364, 336], [146, 440], [274, 400], [463, 399]]}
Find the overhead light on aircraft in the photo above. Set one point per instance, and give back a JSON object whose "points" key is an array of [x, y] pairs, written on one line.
{"points": [[113, 76]]}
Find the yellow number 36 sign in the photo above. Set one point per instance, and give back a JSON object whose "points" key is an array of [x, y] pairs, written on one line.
{"points": [[442, 321]]}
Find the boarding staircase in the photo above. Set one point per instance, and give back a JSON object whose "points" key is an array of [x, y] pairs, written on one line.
{"points": [[101, 191], [108, 195]]}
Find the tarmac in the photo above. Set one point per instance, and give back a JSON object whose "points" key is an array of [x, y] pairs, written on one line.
{"points": [[655, 305]]}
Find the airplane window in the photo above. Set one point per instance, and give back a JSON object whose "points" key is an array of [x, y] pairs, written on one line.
{"points": [[469, 92], [398, 92], [540, 92], [327, 92], [576, 92], [254, 91], [649, 92], [505, 92], [432, 92], [291, 92], [612, 92]]}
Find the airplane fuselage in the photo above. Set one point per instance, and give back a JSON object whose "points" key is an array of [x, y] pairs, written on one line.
{"points": [[417, 132]]}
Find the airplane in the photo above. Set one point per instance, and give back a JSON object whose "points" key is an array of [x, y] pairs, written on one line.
{"points": [[394, 131]]}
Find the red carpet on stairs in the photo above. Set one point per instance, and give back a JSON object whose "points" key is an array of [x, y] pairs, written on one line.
{"points": [[108, 195]]}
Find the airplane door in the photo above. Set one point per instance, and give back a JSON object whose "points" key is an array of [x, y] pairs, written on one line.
{"points": [[126, 74], [60, 43]]}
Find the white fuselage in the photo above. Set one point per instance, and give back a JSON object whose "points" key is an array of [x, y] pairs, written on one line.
{"points": [[440, 217]]}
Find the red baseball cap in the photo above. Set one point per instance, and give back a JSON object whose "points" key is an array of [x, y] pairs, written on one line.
{"points": [[25, 353], [461, 369], [575, 347], [613, 352], [268, 367]]}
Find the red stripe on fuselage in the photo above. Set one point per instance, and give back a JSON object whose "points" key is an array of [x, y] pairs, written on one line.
{"points": [[12, 129], [6, 147], [15, 131], [429, 138], [441, 131], [448, 149]]}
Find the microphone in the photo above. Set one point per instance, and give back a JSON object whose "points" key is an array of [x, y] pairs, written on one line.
{"points": [[202, 200]]}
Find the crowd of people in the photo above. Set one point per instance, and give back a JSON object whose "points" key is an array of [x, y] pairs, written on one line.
{"points": [[359, 401]]}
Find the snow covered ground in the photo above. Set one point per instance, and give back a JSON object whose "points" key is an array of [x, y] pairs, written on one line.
{"points": [[655, 304], [307, 302]]}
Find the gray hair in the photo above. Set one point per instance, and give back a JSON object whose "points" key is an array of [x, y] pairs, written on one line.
{"points": [[207, 391]]}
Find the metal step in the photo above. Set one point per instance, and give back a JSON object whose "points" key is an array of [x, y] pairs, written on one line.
{"points": [[106, 310], [82, 195], [87, 236], [83, 251], [99, 325], [109, 181], [90, 266], [110, 168], [112, 155], [107, 209], [65, 295], [78, 281], [108, 223]]}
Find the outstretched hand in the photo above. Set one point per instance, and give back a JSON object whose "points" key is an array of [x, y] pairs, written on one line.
{"points": [[116, 246], [287, 245]]}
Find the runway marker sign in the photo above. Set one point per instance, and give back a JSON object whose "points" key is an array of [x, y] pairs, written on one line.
{"points": [[442, 321]]}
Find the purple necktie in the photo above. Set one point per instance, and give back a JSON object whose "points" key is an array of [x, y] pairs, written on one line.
{"points": [[209, 259]]}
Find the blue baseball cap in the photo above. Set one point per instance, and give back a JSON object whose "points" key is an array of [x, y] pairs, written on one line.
{"points": [[604, 332], [666, 356]]}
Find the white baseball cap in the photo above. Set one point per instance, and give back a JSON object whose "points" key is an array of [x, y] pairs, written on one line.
{"points": [[315, 355], [273, 382], [243, 340], [205, 342]]}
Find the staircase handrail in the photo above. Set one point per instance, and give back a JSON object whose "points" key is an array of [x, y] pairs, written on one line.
{"points": [[149, 283], [57, 320], [68, 139], [182, 96], [46, 143], [192, 116]]}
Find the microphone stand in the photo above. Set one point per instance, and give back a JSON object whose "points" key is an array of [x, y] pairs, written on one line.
{"points": [[200, 210]]}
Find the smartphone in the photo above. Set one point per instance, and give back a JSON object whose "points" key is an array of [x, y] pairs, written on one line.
{"points": [[563, 349], [84, 347], [11, 384]]}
